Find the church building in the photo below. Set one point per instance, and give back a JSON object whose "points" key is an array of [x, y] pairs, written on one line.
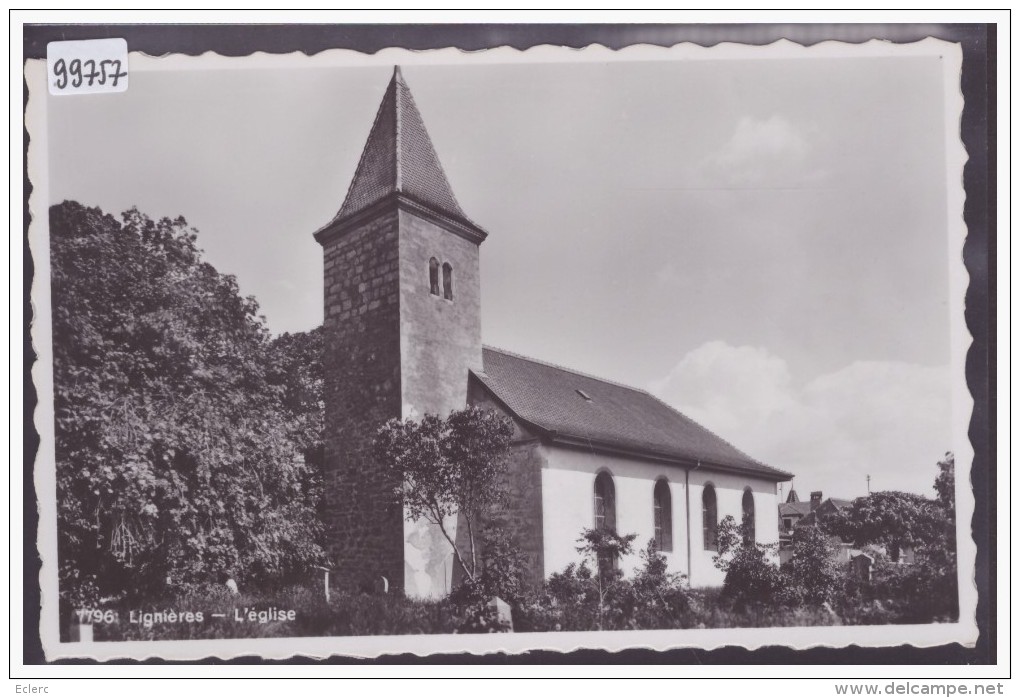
{"points": [[402, 331]]}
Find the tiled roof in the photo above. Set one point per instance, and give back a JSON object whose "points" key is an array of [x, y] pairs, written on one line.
{"points": [[823, 511], [576, 407], [794, 508], [399, 157]]}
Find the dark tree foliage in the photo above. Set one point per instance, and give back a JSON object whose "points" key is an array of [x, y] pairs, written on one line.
{"points": [[895, 520], [751, 574], [945, 483], [296, 367], [814, 573], [181, 430], [892, 521], [501, 570]]}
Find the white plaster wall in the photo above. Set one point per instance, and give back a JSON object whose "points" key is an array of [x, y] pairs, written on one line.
{"points": [[568, 481], [729, 493]]}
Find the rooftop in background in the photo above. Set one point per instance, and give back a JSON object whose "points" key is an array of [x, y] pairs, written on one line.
{"points": [[579, 409], [794, 508]]}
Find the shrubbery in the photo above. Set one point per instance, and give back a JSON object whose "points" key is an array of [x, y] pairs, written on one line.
{"points": [[501, 569], [814, 575], [595, 595], [751, 576]]}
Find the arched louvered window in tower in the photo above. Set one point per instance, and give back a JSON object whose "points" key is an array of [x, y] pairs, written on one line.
{"points": [[447, 281], [662, 503], [434, 276], [709, 518], [747, 523]]}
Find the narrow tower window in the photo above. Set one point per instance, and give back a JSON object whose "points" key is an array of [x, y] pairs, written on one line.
{"points": [[748, 519], [709, 518], [662, 502], [447, 281], [434, 276]]}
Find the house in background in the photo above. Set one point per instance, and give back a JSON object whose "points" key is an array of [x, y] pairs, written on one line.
{"points": [[794, 513], [402, 336], [819, 509], [791, 512]]}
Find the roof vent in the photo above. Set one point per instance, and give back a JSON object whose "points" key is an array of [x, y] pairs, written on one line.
{"points": [[583, 394]]}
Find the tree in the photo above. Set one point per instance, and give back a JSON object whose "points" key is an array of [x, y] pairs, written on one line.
{"points": [[895, 520], [751, 574], [813, 572], [295, 368], [603, 548], [597, 585], [177, 460], [945, 482], [659, 593], [448, 467]]}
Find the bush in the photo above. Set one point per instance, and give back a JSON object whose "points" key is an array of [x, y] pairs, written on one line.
{"points": [[813, 574], [661, 598], [710, 609], [501, 572], [918, 593], [480, 617], [582, 598], [751, 575], [752, 578]]}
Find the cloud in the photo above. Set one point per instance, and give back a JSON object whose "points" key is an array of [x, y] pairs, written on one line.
{"points": [[884, 418], [762, 153]]}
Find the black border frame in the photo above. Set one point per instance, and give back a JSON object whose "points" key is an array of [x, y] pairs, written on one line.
{"points": [[978, 42]]}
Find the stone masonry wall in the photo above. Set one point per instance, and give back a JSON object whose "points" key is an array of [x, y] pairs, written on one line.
{"points": [[362, 391], [523, 518]]}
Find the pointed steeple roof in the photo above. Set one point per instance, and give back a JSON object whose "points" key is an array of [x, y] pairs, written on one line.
{"points": [[399, 158]]}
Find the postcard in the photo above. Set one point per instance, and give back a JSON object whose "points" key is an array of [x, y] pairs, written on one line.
{"points": [[437, 351]]}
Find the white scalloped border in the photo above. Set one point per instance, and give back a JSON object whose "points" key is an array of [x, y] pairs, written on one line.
{"points": [[964, 632]]}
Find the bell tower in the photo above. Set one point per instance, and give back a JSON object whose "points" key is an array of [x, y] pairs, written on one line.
{"points": [[402, 328]]}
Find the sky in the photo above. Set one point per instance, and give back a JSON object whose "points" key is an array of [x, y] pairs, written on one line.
{"points": [[762, 244]]}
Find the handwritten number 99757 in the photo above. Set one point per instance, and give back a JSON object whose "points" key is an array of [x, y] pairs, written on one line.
{"points": [[77, 72]]}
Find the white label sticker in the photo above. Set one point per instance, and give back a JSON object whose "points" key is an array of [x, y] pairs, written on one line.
{"points": [[87, 67]]}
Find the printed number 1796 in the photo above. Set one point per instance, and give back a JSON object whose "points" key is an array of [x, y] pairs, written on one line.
{"points": [[77, 71]]}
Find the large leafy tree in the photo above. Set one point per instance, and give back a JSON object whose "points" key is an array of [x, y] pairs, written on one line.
{"points": [[181, 454], [894, 520], [295, 364], [447, 467]]}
